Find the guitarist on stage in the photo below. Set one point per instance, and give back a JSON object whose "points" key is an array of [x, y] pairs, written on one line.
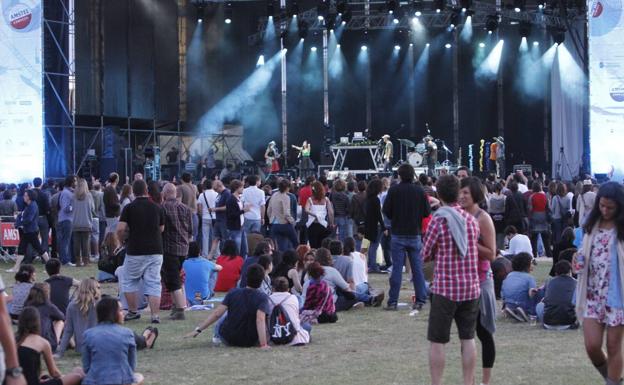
{"points": [[271, 156]]}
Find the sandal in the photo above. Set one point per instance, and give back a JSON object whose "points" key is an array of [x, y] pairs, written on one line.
{"points": [[153, 332]]}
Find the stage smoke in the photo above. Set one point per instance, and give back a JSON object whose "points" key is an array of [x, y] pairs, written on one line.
{"points": [[571, 75], [489, 68], [466, 33]]}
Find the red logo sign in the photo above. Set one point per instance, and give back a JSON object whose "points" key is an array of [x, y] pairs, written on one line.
{"points": [[20, 16], [10, 235]]}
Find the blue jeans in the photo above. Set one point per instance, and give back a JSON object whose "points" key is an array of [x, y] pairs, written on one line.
{"points": [[195, 219], [410, 246], [206, 237], [345, 228], [285, 236], [63, 239], [252, 226], [44, 231], [372, 256], [362, 293], [240, 238]]}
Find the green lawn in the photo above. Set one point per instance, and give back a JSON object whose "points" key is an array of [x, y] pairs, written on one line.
{"points": [[368, 346]]}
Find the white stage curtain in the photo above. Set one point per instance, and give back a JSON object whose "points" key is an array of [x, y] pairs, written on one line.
{"points": [[568, 96]]}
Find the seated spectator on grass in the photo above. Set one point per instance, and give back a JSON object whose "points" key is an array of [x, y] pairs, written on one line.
{"points": [[59, 284], [290, 304], [112, 255], [244, 324], [302, 265], [557, 311], [201, 276], [24, 280], [343, 296], [565, 243], [231, 264], [288, 269], [518, 243], [80, 315], [517, 288], [262, 248], [52, 320], [363, 291], [501, 267], [109, 349], [319, 301], [267, 265], [31, 346]]}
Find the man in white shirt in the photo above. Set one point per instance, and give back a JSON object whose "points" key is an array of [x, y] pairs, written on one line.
{"points": [[207, 200], [518, 243], [254, 199]]}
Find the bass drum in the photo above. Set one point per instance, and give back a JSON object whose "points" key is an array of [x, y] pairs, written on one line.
{"points": [[415, 159]]}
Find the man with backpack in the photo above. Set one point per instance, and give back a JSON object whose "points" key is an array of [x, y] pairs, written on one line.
{"points": [[285, 327]]}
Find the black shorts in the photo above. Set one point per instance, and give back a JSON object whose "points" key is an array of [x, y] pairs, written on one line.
{"points": [[172, 264], [444, 311], [29, 239], [51, 381]]}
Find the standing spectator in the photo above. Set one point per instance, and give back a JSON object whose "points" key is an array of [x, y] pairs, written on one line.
{"points": [[187, 191], [176, 236], [109, 349], [141, 225], [65, 218], [43, 203], [600, 287], [99, 220], [253, 198], [471, 196], [538, 219], [82, 223], [341, 201], [373, 223], [305, 193], [9, 364], [207, 201], [559, 206], [515, 209], [234, 216], [281, 218], [585, 201], [320, 215], [406, 205], [357, 211], [451, 242], [112, 208], [220, 229], [27, 221], [8, 207], [496, 208], [125, 198], [153, 190]]}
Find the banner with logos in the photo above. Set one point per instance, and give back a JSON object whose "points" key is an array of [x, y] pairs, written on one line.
{"points": [[21, 93], [606, 87]]}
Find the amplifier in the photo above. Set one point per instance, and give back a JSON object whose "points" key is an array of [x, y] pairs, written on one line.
{"points": [[527, 169]]}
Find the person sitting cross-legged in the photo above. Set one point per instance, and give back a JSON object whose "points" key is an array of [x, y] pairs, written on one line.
{"points": [[201, 276], [241, 317], [519, 289], [557, 311]]}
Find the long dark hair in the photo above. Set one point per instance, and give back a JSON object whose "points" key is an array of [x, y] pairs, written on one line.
{"points": [[28, 323], [374, 188], [614, 192]]}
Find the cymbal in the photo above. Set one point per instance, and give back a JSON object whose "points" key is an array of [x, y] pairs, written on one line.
{"points": [[407, 142]]}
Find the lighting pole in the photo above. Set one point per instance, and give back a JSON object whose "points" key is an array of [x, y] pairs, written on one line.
{"points": [[325, 79], [283, 28]]}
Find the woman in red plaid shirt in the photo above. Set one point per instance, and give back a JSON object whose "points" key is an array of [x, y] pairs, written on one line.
{"points": [[451, 242]]}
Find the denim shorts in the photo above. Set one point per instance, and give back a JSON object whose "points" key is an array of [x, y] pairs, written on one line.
{"points": [[146, 267], [220, 230]]}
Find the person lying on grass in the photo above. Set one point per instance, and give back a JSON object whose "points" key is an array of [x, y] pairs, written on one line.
{"points": [[241, 317]]}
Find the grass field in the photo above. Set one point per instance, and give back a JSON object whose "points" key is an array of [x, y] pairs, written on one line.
{"points": [[368, 346]]}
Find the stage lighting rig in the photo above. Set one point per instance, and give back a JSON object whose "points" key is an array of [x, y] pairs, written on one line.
{"points": [[525, 29], [465, 5], [439, 5], [228, 13], [303, 29], [558, 35], [391, 6], [341, 7], [491, 23], [200, 6], [270, 7], [417, 7], [294, 9], [519, 5], [322, 9]]}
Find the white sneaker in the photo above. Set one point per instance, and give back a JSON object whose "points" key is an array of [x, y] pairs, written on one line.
{"points": [[216, 341], [358, 305]]}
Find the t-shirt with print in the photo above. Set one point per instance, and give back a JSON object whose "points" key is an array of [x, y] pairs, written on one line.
{"points": [[239, 326], [144, 219], [59, 291]]}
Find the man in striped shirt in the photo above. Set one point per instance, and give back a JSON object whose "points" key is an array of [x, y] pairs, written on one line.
{"points": [[451, 242]]}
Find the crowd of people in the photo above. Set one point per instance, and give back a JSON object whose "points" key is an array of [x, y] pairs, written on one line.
{"points": [[279, 256]]}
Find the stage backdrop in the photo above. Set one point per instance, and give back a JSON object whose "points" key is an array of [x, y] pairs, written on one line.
{"points": [[606, 87], [21, 128]]}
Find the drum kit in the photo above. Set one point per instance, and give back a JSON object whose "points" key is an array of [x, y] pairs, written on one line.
{"points": [[416, 152]]}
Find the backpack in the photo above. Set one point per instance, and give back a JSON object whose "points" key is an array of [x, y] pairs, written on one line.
{"points": [[281, 329]]}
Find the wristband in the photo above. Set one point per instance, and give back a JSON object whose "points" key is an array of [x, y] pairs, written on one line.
{"points": [[198, 330]]}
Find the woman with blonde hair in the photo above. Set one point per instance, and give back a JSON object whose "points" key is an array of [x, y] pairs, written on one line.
{"points": [[80, 315], [83, 214]]}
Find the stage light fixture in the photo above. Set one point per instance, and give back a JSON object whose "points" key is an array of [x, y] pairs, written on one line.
{"points": [[559, 36], [200, 6], [447, 45], [260, 61], [391, 6], [294, 9], [363, 48], [439, 5], [337, 45], [481, 45], [341, 7], [322, 9], [313, 49], [418, 14], [270, 8], [427, 45], [519, 5], [303, 29], [395, 21], [228, 13], [347, 16], [525, 29], [465, 4], [535, 43], [397, 47], [411, 44], [491, 23]]}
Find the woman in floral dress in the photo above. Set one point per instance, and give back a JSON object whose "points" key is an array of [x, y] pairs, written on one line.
{"points": [[600, 290]]}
